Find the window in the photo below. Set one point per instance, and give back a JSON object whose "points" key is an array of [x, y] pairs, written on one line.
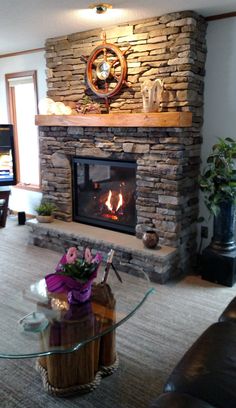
{"points": [[22, 103]]}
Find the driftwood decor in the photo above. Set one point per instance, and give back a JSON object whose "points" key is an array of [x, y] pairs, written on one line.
{"points": [[151, 94]]}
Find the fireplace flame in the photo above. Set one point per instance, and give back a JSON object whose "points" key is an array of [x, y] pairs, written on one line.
{"points": [[120, 202], [110, 205], [108, 202]]}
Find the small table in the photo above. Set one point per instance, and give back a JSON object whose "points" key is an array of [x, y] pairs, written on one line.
{"points": [[74, 344], [4, 197]]}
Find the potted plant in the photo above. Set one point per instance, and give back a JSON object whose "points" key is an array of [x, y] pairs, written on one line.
{"points": [[45, 211], [74, 275], [218, 183]]}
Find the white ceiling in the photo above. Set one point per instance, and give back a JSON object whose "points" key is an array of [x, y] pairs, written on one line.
{"points": [[26, 24]]}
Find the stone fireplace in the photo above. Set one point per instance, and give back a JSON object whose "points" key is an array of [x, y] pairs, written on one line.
{"points": [[166, 156]]}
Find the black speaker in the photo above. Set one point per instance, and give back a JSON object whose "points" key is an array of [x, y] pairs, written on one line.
{"points": [[21, 218], [219, 267]]}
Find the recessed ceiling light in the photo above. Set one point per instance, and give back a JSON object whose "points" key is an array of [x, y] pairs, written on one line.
{"points": [[100, 7]]}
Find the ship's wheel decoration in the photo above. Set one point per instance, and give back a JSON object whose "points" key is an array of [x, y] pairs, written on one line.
{"points": [[106, 69]]}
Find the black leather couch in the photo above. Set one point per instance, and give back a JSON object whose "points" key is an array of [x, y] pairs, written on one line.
{"points": [[205, 377]]}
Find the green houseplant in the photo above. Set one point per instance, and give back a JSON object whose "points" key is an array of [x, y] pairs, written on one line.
{"points": [[218, 184], [45, 211]]}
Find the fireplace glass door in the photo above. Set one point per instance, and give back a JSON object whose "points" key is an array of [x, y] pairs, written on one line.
{"points": [[104, 193]]}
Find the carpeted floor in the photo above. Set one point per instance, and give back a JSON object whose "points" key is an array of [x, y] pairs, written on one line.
{"points": [[149, 344]]}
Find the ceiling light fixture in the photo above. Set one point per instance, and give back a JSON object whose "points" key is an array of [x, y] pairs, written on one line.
{"points": [[100, 8]]}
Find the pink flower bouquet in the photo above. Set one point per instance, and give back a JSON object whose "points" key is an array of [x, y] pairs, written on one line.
{"points": [[74, 275]]}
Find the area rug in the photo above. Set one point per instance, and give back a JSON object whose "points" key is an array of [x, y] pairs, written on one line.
{"points": [[149, 344]]}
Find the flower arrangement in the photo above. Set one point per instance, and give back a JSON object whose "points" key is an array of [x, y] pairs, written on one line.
{"points": [[74, 275]]}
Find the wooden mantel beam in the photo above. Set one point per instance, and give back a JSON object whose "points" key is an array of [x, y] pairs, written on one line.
{"points": [[153, 119]]}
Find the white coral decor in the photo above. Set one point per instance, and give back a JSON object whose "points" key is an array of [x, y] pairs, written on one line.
{"points": [[47, 106]]}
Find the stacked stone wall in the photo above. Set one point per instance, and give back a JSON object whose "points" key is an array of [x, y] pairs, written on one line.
{"points": [[166, 180], [171, 47]]}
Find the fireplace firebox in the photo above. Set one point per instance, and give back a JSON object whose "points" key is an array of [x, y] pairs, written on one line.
{"points": [[104, 193]]}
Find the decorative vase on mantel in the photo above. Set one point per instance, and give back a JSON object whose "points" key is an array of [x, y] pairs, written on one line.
{"points": [[151, 95], [224, 228]]}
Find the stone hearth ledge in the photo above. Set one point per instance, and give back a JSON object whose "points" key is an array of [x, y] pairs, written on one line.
{"points": [[130, 254]]}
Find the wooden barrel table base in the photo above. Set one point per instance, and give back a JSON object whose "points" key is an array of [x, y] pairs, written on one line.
{"points": [[104, 371]]}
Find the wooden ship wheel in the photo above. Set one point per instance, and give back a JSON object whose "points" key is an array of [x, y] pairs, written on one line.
{"points": [[106, 69]]}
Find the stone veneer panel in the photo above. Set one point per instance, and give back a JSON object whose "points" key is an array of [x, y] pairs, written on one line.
{"points": [[171, 47], [166, 175]]}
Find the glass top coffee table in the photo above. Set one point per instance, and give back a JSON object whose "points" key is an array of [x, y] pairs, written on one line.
{"points": [[74, 344]]}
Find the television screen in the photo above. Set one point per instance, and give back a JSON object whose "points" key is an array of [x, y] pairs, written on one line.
{"points": [[7, 156]]}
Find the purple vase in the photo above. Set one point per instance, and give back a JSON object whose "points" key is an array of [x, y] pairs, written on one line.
{"points": [[77, 292], [80, 295]]}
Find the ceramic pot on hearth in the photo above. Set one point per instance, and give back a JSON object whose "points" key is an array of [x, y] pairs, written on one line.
{"points": [[45, 218], [150, 239]]}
